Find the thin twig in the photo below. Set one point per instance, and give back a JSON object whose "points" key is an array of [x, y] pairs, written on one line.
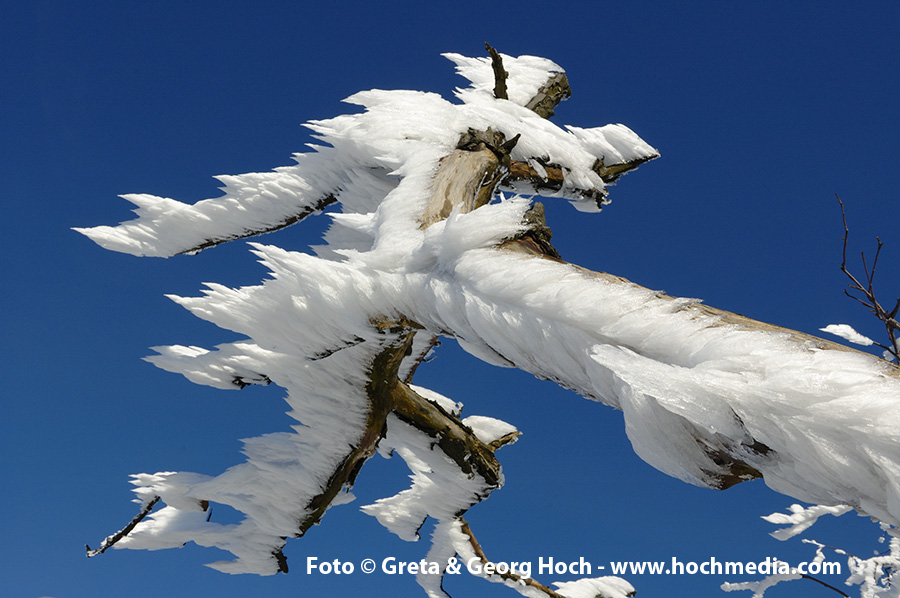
{"points": [[827, 585], [110, 541], [867, 291], [510, 575]]}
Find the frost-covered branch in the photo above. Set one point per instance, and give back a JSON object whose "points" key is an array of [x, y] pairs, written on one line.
{"points": [[864, 293], [597, 587], [874, 575], [426, 244], [383, 389], [110, 541]]}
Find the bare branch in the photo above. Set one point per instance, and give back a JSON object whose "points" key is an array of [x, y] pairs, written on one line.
{"points": [[476, 547], [110, 541], [554, 91], [866, 294], [827, 585], [455, 439]]}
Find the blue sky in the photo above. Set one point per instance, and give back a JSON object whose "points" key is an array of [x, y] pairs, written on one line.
{"points": [[761, 111]]}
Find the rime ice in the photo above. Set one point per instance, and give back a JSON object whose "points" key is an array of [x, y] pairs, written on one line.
{"points": [[818, 424]]}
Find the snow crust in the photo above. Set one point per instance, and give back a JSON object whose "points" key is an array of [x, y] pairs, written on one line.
{"points": [[820, 425]]}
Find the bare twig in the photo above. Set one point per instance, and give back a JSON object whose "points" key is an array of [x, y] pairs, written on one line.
{"points": [[865, 293], [510, 575], [476, 547], [827, 585], [110, 541]]}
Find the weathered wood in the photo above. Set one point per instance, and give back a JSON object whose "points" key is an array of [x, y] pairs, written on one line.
{"points": [[462, 181], [454, 438], [500, 73], [551, 93]]}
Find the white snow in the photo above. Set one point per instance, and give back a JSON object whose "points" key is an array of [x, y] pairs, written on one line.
{"points": [[488, 429], [527, 74], [801, 518], [611, 587], [821, 425], [847, 332], [367, 155], [440, 490]]}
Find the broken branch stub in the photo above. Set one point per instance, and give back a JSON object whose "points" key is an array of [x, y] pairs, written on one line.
{"points": [[500, 73]]}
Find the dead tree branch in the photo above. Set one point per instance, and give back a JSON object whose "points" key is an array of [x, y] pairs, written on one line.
{"points": [[510, 575], [864, 293], [827, 585], [554, 91], [514, 577], [500, 73], [110, 541], [383, 390], [455, 439]]}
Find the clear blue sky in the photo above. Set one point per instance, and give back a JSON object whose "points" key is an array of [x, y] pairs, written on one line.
{"points": [[761, 111]]}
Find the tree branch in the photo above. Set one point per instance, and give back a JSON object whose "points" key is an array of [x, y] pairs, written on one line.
{"points": [[552, 179], [500, 74], [383, 389], [454, 438], [509, 576], [867, 291], [319, 205], [827, 585], [110, 541], [548, 97], [476, 547]]}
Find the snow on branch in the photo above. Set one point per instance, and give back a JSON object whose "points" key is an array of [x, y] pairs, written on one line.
{"points": [[875, 575], [426, 244], [358, 169], [110, 541]]}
